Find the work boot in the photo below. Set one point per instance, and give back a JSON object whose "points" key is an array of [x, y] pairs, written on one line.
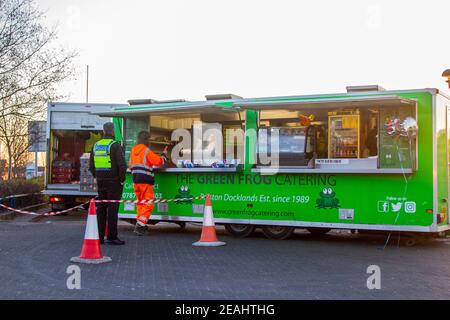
{"points": [[140, 229], [116, 242]]}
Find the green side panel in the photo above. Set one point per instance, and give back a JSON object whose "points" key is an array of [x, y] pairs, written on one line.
{"points": [[443, 157], [442, 173], [251, 127], [118, 126], [296, 197]]}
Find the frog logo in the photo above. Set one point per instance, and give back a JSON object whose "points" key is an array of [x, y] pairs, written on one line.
{"points": [[183, 193], [327, 199]]}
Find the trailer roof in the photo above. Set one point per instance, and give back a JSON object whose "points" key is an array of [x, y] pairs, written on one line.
{"points": [[356, 102], [82, 107], [355, 99], [201, 106]]}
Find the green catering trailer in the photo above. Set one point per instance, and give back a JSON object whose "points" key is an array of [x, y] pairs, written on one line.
{"points": [[368, 160]]}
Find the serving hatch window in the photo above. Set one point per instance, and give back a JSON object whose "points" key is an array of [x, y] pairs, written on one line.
{"points": [[207, 138], [368, 137], [290, 137]]}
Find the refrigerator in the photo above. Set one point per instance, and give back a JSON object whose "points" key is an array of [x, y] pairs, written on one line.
{"points": [[343, 136]]}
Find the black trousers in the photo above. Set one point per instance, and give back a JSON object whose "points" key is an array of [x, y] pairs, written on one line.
{"points": [[108, 190]]}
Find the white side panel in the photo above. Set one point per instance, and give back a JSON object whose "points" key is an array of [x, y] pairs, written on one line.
{"points": [[298, 224], [76, 121]]}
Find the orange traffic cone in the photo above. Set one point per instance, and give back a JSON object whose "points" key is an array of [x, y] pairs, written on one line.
{"points": [[91, 252], [209, 236]]}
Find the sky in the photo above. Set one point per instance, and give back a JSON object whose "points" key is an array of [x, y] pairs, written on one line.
{"points": [[186, 49]]}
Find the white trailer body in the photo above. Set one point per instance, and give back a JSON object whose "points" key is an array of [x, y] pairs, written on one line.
{"points": [[71, 124]]}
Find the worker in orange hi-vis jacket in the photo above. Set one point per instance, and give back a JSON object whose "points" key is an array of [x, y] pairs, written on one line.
{"points": [[142, 161]]}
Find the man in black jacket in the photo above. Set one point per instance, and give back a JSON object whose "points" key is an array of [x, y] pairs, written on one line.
{"points": [[107, 165]]}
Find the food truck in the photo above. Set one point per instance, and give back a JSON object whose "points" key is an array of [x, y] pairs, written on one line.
{"points": [[368, 160]]}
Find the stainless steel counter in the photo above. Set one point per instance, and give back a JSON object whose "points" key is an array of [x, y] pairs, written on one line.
{"points": [[347, 170], [189, 170]]}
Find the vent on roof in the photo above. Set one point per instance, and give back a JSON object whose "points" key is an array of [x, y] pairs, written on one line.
{"points": [[152, 101], [365, 88], [172, 101], [223, 96]]}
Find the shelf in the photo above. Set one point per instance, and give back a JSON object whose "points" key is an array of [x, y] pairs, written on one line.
{"points": [[208, 169], [344, 129], [161, 129], [345, 157], [354, 171], [160, 142]]}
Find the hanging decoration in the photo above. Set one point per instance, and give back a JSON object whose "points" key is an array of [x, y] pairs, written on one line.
{"points": [[306, 120], [407, 128]]}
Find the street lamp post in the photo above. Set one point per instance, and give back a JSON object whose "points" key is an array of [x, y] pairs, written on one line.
{"points": [[446, 74]]}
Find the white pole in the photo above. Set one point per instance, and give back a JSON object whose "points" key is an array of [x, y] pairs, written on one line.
{"points": [[87, 84], [36, 166]]}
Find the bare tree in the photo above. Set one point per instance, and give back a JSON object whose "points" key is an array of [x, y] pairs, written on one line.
{"points": [[14, 135], [31, 67]]}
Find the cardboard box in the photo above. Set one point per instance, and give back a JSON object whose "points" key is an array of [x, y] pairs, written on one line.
{"points": [[61, 170], [88, 187], [58, 163], [156, 121]]}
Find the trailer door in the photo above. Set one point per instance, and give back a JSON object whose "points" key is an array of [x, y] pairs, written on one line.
{"points": [[448, 161]]}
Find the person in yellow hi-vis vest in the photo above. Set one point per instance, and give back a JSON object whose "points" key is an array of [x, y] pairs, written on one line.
{"points": [[107, 165]]}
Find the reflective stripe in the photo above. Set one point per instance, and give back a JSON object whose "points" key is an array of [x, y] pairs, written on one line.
{"points": [[143, 172], [142, 221], [141, 169], [140, 166], [143, 166], [101, 151], [208, 220], [91, 232]]}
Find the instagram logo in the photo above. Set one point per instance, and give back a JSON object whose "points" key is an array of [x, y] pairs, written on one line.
{"points": [[410, 207]]}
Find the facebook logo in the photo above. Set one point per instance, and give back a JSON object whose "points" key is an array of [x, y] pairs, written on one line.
{"points": [[383, 206]]}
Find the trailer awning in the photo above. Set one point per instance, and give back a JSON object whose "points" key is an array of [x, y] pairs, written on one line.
{"points": [[260, 104], [347, 102], [179, 108]]}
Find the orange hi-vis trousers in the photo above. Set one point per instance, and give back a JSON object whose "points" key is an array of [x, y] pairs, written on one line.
{"points": [[144, 210]]}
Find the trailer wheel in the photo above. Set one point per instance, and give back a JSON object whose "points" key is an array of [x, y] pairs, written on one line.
{"points": [[240, 230], [278, 232], [318, 231]]}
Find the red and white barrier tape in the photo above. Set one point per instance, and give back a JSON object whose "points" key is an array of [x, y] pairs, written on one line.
{"points": [[21, 195], [46, 214], [53, 213]]}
